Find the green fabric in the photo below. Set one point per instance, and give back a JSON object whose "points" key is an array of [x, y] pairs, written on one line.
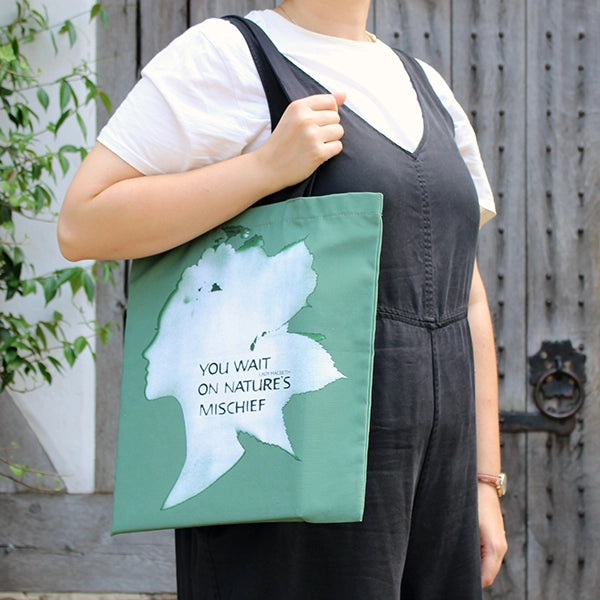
{"points": [[247, 370]]}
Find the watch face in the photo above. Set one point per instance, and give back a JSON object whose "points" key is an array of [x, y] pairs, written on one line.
{"points": [[501, 484]]}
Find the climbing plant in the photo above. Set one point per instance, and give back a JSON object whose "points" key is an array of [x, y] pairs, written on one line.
{"points": [[33, 110]]}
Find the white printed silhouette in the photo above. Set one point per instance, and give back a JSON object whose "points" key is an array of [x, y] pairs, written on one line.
{"points": [[234, 370]]}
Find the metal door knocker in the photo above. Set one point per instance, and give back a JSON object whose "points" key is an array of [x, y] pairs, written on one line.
{"points": [[558, 373]]}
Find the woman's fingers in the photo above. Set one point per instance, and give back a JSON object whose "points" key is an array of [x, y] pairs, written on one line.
{"points": [[329, 133], [308, 134], [324, 101], [325, 117], [319, 110]]}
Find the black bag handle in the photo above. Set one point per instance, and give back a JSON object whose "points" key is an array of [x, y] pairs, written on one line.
{"points": [[275, 70], [281, 87]]}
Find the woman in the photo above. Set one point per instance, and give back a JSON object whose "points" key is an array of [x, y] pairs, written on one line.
{"points": [[197, 125]]}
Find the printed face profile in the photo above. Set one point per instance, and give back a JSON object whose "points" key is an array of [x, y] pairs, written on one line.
{"points": [[223, 350]]}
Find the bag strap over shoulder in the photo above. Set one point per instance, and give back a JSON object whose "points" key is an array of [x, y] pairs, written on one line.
{"points": [[279, 82], [281, 87]]}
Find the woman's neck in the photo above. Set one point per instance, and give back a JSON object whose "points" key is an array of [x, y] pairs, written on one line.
{"points": [[338, 18]]}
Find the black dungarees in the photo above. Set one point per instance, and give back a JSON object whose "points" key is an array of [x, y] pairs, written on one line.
{"points": [[419, 538]]}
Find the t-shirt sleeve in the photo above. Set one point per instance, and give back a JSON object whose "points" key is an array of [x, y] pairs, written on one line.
{"points": [[466, 142], [192, 105]]}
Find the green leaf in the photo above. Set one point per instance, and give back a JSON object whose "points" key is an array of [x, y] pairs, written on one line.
{"points": [[42, 198], [41, 336], [51, 327], [61, 120], [79, 345], [18, 255], [69, 355], [5, 215], [66, 93], [70, 30], [108, 268], [105, 101], [50, 287], [69, 148], [10, 355], [27, 287], [44, 373], [55, 363], [7, 53], [105, 333], [95, 10], [92, 89], [98, 9], [88, 285], [82, 125], [40, 18], [68, 274], [23, 116], [63, 162], [36, 171], [76, 282], [18, 470], [53, 39], [43, 98]]}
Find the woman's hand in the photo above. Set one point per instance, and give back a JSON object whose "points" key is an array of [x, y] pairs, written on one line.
{"points": [[308, 134], [491, 534]]}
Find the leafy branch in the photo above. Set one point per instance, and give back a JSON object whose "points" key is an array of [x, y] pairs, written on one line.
{"points": [[33, 110], [31, 478], [29, 171]]}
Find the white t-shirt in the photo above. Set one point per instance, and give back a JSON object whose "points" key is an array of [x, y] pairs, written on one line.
{"points": [[200, 100]]}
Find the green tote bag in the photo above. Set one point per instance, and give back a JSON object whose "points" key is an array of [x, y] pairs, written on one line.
{"points": [[247, 370]]}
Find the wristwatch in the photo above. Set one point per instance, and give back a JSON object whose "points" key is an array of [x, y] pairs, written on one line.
{"points": [[498, 481]]}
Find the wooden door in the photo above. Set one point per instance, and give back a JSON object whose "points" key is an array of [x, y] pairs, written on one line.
{"points": [[527, 74]]}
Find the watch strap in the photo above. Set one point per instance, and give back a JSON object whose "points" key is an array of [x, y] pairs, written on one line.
{"points": [[496, 481]]}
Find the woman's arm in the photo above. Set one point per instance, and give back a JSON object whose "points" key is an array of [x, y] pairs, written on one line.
{"points": [[491, 525], [112, 211]]}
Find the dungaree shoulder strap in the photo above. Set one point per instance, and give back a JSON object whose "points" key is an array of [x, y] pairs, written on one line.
{"points": [[419, 77]]}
